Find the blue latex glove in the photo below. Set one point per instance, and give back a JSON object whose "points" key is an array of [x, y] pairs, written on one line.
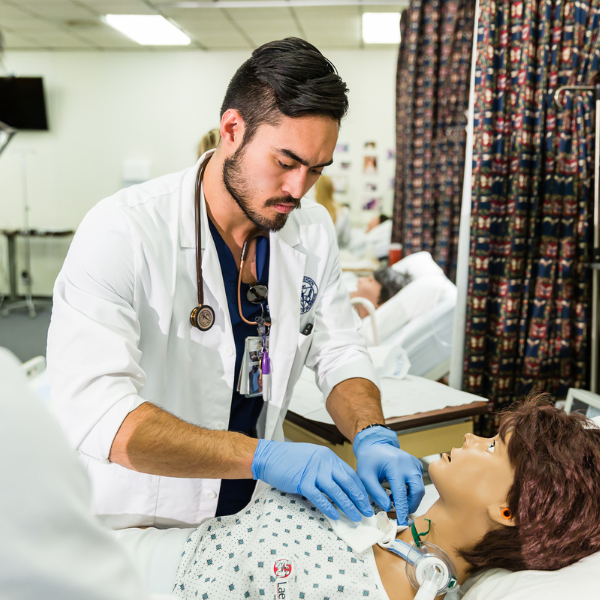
{"points": [[312, 471], [378, 457]]}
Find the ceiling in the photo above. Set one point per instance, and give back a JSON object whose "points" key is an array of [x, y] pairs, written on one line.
{"points": [[75, 25]]}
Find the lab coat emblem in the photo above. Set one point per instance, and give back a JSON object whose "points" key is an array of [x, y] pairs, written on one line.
{"points": [[309, 294]]}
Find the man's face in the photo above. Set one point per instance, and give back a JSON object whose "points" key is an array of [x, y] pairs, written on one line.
{"points": [[268, 176]]}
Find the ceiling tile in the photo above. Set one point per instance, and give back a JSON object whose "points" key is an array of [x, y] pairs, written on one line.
{"points": [[192, 14], [15, 40], [62, 12], [12, 12], [108, 38], [118, 7], [260, 14], [61, 41], [227, 42], [30, 25], [330, 13], [210, 17], [239, 28], [262, 37]]}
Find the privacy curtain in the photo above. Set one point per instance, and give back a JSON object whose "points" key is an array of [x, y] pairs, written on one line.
{"points": [[432, 97], [529, 293]]}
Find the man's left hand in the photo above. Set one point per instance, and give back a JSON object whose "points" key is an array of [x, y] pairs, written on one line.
{"points": [[378, 457]]}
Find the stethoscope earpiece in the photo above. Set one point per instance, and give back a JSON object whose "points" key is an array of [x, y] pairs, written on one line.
{"points": [[202, 317]]}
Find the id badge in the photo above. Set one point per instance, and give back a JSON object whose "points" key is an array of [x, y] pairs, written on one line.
{"points": [[251, 377]]}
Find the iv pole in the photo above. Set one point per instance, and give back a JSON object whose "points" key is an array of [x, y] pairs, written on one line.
{"points": [[595, 264]]}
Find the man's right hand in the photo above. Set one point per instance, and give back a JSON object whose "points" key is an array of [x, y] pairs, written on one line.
{"points": [[313, 471]]}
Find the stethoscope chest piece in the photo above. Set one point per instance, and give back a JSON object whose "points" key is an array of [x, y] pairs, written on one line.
{"points": [[203, 317]]}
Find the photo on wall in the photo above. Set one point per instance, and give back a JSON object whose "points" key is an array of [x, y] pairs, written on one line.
{"points": [[342, 147], [370, 145], [370, 186], [370, 165], [371, 203], [345, 165]]}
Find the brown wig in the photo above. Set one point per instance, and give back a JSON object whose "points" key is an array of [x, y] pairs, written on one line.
{"points": [[555, 496]]}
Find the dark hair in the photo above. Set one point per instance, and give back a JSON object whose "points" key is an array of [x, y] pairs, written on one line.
{"points": [[289, 77], [555, 496], [383, 219], [391, 282]]}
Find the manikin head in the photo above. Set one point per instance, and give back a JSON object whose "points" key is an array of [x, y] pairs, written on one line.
{"points": [[537, 483], [379, 287], [279, 126]]}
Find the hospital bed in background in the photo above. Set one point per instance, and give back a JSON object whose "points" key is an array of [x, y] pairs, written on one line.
{"points": [[366, 249], [429, 417], [374, 243], [419, 318]]}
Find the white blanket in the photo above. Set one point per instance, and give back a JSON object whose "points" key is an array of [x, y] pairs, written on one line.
{"points": [[399, 397]]}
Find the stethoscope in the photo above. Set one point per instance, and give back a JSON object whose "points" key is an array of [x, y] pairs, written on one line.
{"points": [[203, 315]]}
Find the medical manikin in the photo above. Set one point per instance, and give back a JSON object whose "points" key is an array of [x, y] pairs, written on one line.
{"points": [[493, 511]]}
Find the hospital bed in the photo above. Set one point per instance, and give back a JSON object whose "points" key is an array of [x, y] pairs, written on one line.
{"points": [[367, 244], [157, 552], [429, 417], [419, 318]]}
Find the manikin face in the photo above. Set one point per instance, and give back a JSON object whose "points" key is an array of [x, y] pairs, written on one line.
{"points": [[369, 288], [476, 477], [268, 176]]}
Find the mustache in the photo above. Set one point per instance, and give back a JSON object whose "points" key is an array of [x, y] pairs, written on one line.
{"points": [[283, 200]]}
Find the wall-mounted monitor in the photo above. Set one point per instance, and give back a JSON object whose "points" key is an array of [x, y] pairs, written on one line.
{"points": [[22, 103]]}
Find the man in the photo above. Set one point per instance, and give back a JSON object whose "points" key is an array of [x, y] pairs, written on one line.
{"points": [[151, 402]]}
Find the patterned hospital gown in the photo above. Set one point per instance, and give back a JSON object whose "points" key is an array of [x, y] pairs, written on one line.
{"points": [[280, 547]]}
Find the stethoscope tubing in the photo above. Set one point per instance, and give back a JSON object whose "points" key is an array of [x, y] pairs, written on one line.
{"points": [[245, 249]]}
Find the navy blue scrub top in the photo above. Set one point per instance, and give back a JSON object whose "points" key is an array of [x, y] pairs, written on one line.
{"points": [[236, 493]]}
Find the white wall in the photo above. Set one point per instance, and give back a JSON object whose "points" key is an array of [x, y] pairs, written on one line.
{"points": [[104, 108]]}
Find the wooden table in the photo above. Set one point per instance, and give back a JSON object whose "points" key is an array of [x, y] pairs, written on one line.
{"points": [[420, 434]]}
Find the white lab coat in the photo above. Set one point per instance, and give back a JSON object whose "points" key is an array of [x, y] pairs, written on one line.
{"points": [[120, 335]]}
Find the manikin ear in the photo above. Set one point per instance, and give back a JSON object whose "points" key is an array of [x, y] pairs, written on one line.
{"points": [[501, 515], [232, 130]]}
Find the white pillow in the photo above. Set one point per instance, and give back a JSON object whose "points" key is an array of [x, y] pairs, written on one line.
{"points": [[420, 295], [579, 580], [419, 264]]}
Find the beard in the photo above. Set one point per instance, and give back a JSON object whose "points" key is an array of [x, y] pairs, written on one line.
{"points": [[235, 183]]}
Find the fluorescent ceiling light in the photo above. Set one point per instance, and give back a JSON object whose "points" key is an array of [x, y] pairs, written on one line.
{"points": [[148, 30], [381, 28]]}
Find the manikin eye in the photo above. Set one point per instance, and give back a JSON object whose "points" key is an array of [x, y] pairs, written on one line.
{"points": [[492, 446]]}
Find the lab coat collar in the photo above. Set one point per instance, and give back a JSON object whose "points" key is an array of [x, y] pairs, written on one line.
{"points": [[187, 224]]}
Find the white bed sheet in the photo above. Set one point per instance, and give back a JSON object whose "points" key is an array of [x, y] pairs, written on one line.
{"points": [[157, 554], [399, 397]]}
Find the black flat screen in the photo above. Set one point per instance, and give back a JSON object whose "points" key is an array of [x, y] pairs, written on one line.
{"points": [[22, 103]]}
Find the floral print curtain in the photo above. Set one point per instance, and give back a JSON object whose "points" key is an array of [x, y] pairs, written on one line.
{"points": [[529, 293], [432, 97]]}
